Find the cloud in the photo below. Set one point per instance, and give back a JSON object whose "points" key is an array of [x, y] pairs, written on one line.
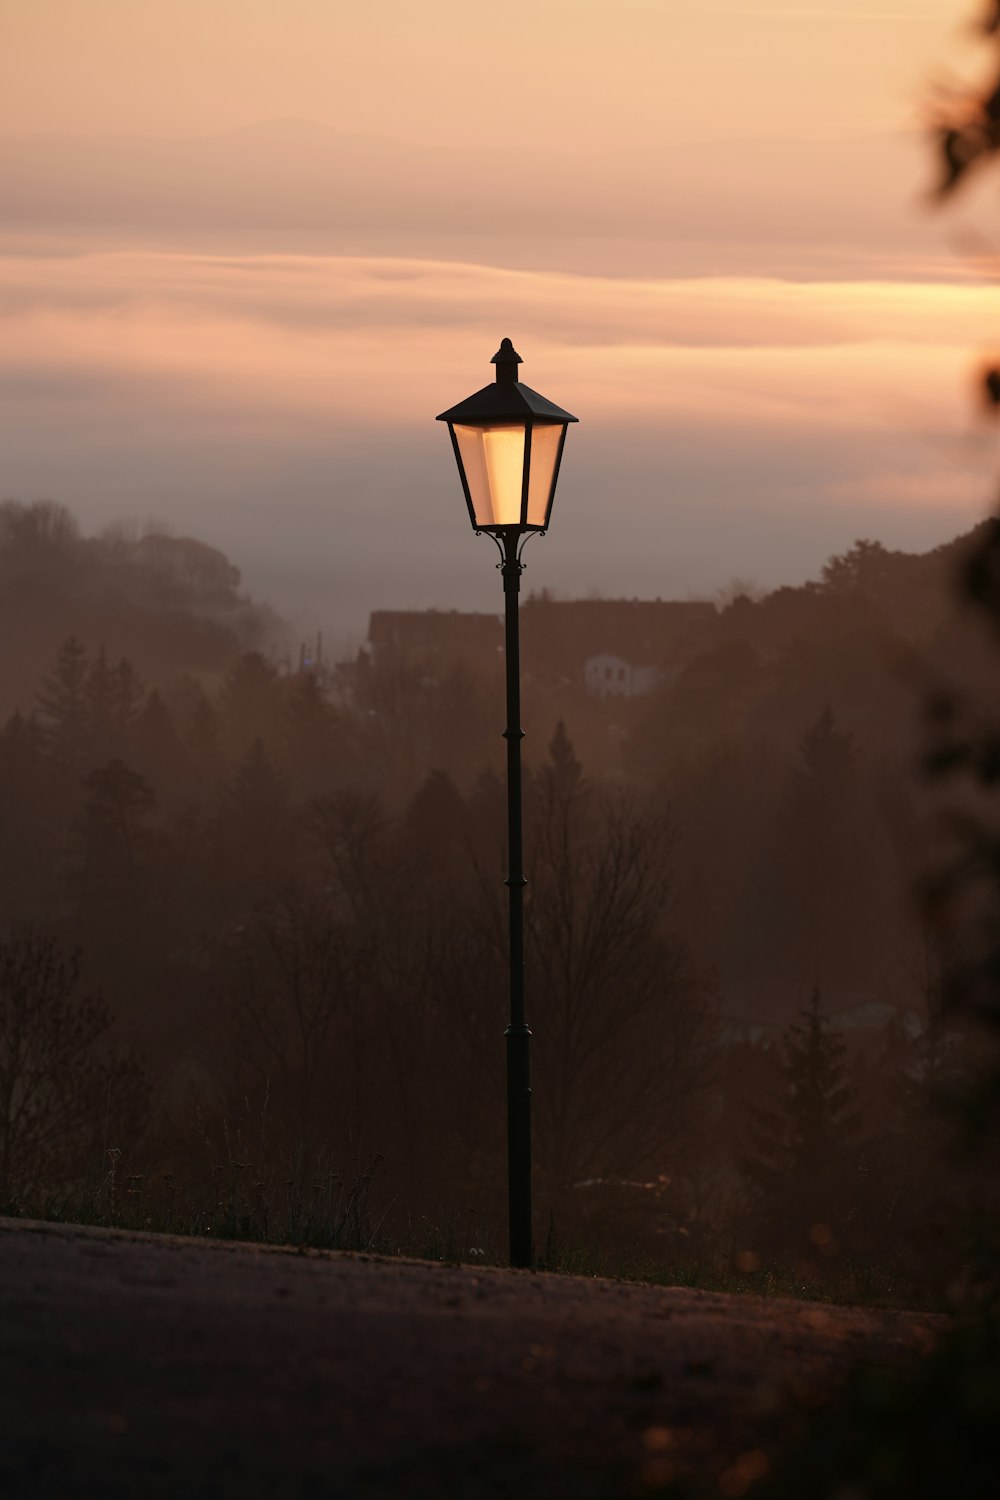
{"points": [[778, 206], [322, 294], [281, 407]]}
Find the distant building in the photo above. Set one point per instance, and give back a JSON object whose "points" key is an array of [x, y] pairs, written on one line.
{"points": [[611, 677], [615, 648], [564, 637]]}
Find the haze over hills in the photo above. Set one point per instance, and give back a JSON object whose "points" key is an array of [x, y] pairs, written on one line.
{"points": [[211, 824], [177, 609]]}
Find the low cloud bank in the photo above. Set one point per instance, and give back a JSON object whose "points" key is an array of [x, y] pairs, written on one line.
{"points": [[282, 406]]}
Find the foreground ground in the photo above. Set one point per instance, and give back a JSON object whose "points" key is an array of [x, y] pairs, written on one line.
{"points": [[154, 1366]]}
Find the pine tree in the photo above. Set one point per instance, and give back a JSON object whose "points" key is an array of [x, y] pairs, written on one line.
{"points": [[823, 857], [158, 753], [22, 756], [815, 901], [128, 693], [310, 739], [101, 740], [563, 774], [256, 793], [116, 881], [62, 705], [250, 704], [116, 831], [486, 821], [802, 1178], [435, 827], [256, 827], [202, 746]]}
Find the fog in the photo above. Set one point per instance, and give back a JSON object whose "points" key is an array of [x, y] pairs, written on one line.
{"points": [[282, 875]]}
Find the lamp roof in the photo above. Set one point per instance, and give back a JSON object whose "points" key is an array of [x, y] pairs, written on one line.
{"points": [[508, 400]]}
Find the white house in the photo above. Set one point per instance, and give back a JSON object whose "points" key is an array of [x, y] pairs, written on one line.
{"points": [[610, 677]]}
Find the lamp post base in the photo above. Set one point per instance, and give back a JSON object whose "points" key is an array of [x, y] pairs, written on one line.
{"points": [[519, 1145]]}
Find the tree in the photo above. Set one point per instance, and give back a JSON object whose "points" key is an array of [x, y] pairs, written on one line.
{"points": [[116, 884], [256, 844], [43, 526], [250, 704], [289, 1008], [158, 753], [65, 1095], [802, 1177], [62, 705], [116, 833], [625, 1026], [435, 823], [314, 740], [201, 743], [425, 1060], [815, 892], [113, 699]]}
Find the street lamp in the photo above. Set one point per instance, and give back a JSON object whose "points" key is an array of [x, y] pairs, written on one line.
{"points": [[508, 443]]}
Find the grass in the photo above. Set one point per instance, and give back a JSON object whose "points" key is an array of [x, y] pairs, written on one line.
{"points": [[324, 1209], [331, 1209], [871, 1282], [334, 1211]]}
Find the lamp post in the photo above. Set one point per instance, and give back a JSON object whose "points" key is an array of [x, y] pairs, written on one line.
{"points": [[508, 443]]}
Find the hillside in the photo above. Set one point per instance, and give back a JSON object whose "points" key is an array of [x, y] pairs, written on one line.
{"points": [[171, 605]]}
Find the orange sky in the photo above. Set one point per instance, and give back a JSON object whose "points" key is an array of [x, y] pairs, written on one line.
{"points": [[578, 74], [252, 248]]}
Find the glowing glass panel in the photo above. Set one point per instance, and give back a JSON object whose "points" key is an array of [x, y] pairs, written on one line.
{"points": [[493, 459], [544, 452]]}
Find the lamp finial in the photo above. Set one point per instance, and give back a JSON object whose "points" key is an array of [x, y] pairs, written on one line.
{"points": [[506, 360]]}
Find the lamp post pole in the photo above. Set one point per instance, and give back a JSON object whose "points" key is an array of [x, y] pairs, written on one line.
{"points": [[517, 1033], [508, 444]]}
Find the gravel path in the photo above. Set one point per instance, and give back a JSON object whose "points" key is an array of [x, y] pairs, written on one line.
{"points": [[146, 1365]]}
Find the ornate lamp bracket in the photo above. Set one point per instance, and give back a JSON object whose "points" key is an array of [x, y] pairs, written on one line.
{"points": [[504, 549]]}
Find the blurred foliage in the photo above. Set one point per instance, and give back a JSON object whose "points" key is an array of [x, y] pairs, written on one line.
{"points": [[930, 1432]]}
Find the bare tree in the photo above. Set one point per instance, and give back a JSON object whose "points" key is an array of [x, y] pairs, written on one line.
{"points": [[65, 1095], [290, 1007], [625, 1027], [412, 1062]]}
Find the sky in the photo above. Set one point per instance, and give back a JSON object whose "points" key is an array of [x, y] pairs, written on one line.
{"points": [[250, 248]]}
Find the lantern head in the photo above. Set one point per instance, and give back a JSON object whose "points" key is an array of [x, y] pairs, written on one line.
{"points": [[508, 442]]}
